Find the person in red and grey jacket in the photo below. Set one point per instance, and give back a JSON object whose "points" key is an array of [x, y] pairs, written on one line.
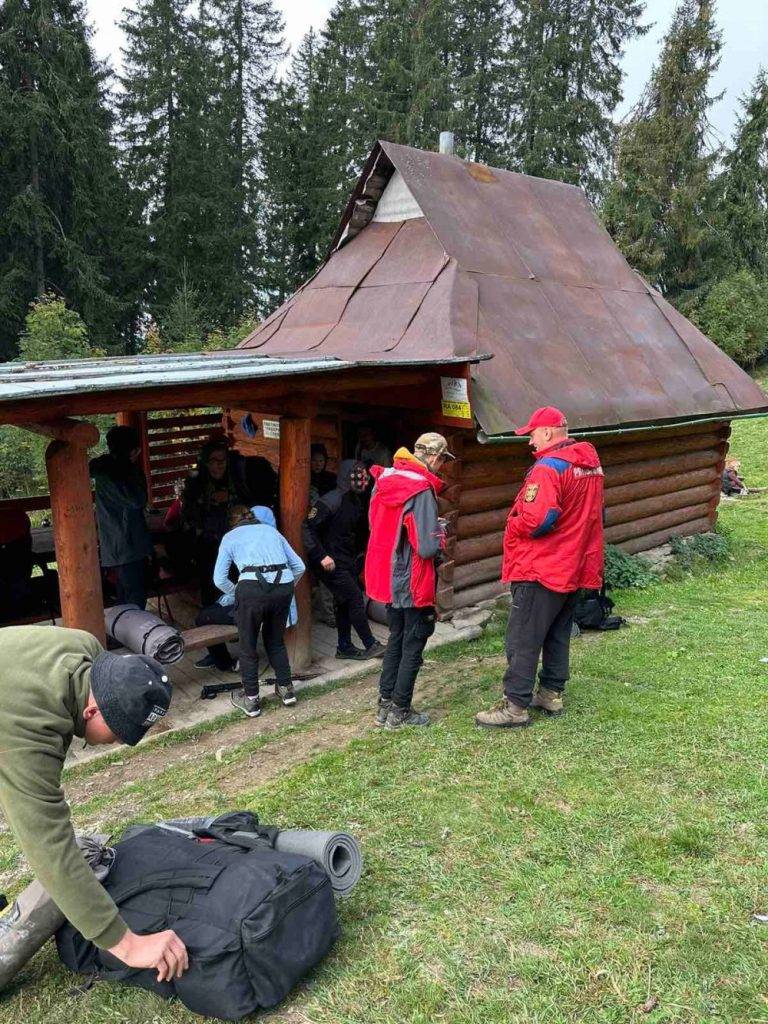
{"points": [[406, 538], [553, 546]]}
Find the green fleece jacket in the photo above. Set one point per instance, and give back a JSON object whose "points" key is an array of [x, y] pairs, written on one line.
{"points": [[44, 687]]}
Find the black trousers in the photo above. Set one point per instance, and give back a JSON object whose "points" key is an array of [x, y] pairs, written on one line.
{"points": [[349, 607], [259, 606], [409, 630], [132, 583], [539, 625], [218, 615]]}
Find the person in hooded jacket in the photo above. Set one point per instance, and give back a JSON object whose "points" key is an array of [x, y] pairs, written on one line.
{"points": [[553, 546], [125, 543], [329, 534], [407, 537]]}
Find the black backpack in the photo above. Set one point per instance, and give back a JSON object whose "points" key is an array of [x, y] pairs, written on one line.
{"points": [[254, 921], [593, 611]]}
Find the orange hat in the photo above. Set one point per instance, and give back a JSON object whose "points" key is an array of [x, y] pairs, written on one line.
{"points": [[547, 416]]}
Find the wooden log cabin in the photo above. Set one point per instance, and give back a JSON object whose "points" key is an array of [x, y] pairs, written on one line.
{"points": [[435, 255]]}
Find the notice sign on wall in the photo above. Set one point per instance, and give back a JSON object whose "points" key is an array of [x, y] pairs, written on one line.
{"points": [[271, 429], [455, 398]]}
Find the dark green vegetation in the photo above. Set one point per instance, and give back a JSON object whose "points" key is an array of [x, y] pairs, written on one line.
{"points": [[603, 867], [176, 210]]}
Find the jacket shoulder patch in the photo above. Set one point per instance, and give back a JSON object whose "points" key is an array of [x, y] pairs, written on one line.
{"points": [[531, 491], [581, 471]]}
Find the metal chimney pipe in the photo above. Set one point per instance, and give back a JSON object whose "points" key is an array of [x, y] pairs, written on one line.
{"points": [[446, 143]]}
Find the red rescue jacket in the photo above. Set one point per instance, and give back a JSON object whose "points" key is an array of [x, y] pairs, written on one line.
{"points": [[406, 534], [554, 532]]}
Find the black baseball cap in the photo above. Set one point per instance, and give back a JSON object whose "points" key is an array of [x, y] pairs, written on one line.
{"points": [[132, 692]]}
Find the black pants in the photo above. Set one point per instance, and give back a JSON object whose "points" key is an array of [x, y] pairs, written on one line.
{"points": [[218, 615], [540, 623], [349, 607], [409, 630], [261, 606], [132, 583]]}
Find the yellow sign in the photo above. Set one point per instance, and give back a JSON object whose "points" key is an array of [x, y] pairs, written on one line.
{"points": [[455, 401]]}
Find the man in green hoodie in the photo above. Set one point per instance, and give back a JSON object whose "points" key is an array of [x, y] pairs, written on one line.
{"points": [[59, 683]]}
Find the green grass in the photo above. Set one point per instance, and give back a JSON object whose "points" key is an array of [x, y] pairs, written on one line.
{"points": [[564, 873]]}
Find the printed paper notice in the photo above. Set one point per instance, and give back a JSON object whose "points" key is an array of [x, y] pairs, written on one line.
{"points": [[455, 398], [271, 429]]}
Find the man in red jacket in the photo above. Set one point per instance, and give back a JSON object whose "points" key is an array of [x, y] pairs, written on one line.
{"points": [[400, 570], [553, 546]]}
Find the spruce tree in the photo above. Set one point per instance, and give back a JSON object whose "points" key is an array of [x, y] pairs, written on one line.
{"points": [[67, 224], [743, 186], [659, 208], [563, 85]]}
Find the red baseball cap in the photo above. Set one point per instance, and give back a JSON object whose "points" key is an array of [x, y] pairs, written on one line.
{"points": [[547, 416]]}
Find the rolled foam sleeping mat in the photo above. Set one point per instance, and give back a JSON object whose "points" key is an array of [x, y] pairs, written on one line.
{"points": [[336, 852], [144, 633]]}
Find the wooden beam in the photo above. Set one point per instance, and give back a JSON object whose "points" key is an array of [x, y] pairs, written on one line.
{"points": [[68, 431], [295, 442], [74, 537]]}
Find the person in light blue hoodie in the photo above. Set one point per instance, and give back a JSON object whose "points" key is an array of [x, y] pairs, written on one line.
{"points": [[263, 598]]}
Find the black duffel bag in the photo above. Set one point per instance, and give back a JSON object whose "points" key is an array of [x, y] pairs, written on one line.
{"points": [[254, 921], [593, 610]]}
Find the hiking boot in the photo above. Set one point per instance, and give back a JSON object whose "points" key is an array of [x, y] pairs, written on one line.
{"points": [[286, 693], [207, 662], [250, 706], [385, 706], [350, 654], [398, 717], [504, 715], [376, 650], [548, 701]]}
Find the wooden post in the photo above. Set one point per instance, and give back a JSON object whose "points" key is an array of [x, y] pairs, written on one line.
{"points": [[74, 536], [138, 420], [295, 441]]}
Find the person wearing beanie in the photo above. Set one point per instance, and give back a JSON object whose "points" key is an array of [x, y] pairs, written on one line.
{"points": [[321, 479], [407, 538], [125, 543], [553, 546], [60, 683]]}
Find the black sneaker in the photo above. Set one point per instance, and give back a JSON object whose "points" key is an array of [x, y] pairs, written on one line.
{"points": [[385, 706], [376, 650], [398, 717], [285, 693], [250, 706], [350, 654], [207, 662]]}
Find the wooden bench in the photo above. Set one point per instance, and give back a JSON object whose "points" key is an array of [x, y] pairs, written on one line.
{"points": [[207, 636]]}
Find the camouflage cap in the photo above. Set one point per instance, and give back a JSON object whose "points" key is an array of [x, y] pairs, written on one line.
{"points": [[432, 444]]}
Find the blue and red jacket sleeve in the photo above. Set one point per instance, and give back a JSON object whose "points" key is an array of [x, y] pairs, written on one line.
{"points": [[537, 507]]}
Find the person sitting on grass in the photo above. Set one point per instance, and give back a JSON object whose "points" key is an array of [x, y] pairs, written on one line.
{"points": [[62, 684], [268, 570]]}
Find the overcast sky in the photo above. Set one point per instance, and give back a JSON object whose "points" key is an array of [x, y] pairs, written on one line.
{"points": [[745, 44]]}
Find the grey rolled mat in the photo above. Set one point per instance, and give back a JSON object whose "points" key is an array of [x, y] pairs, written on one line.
{"points": [[144, 633], [336, 852], [33, 917]]}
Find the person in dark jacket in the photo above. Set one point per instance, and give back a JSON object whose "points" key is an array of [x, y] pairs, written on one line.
{"points": [[209, 496], [125, 543], [329, 539], [553, 547], [321, 479], [407, 537]]}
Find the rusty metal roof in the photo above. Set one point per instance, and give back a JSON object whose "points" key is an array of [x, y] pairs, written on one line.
{"points": [[517, 267]]}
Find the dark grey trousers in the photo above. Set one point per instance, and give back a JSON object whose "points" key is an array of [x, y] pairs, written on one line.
{"points": [[539, 625]]}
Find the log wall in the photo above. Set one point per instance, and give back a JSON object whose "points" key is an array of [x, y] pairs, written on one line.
{"points": [[658, 484]]}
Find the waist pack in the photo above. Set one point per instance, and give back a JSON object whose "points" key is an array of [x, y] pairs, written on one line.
{"points": [[254, 921], [593, 611]]}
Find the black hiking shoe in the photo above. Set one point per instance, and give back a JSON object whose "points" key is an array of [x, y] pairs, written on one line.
{"points": [[250, 706], [206, 662], [398, 717], [350, 654], [376, 650], [286, 693], [385, 706]]}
